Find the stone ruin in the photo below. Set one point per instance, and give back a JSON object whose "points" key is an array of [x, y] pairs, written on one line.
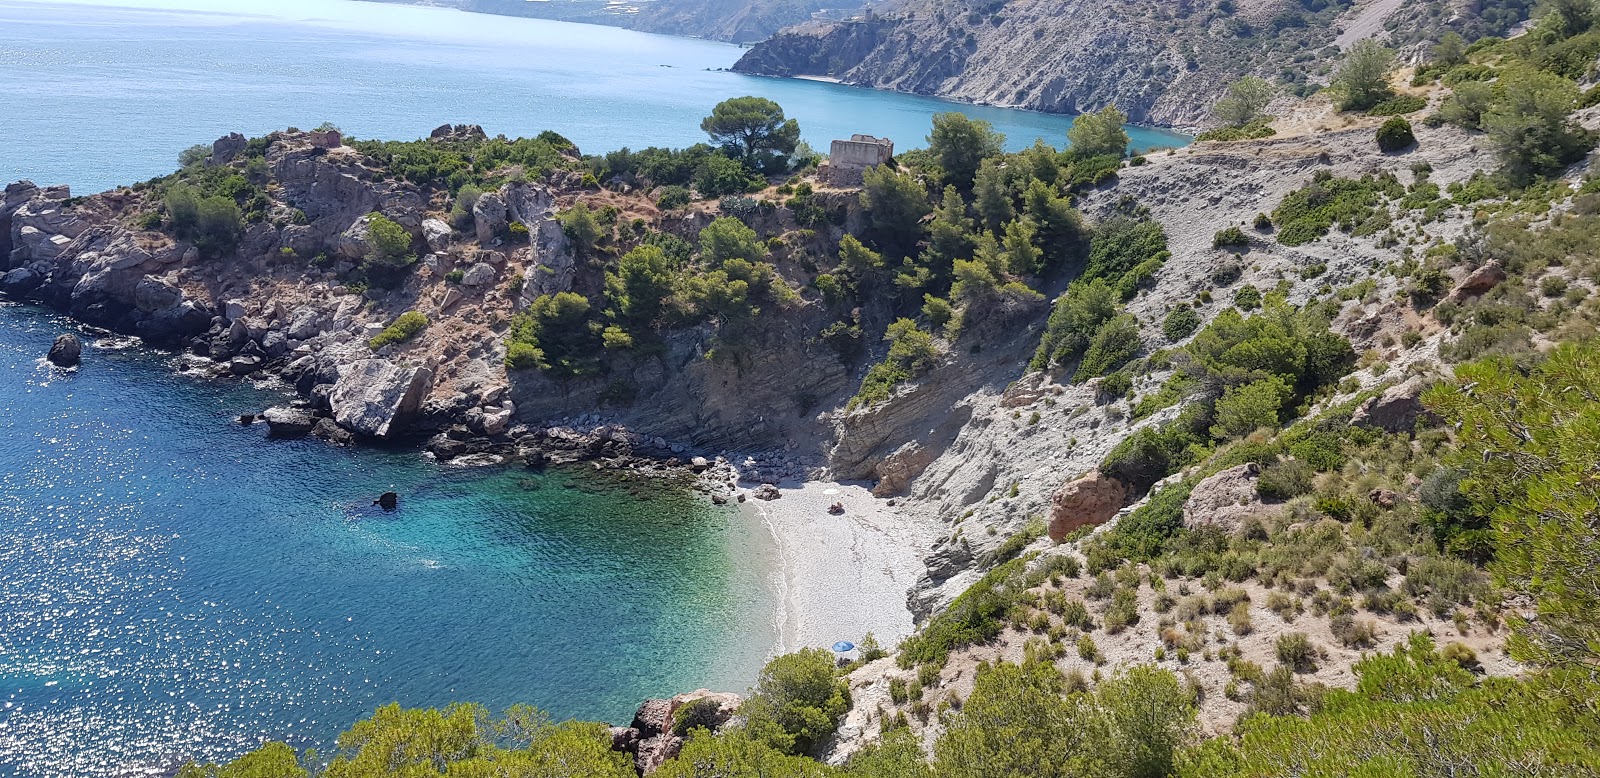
{"points": [[848, 159]]}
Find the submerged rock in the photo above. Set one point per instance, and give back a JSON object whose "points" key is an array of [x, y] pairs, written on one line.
{"points": [[67, 351], [387, 501]]}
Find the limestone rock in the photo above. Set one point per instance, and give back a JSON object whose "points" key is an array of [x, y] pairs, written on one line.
{"points": [[67, 351], [225, 148], [437, 234], [20, 281], [489, 217], [481, 274], [288, 422], [330, 431], [1226, 499], [1396, 410], [900, 468], [766, 492], [1086, 502], [355, 241], [1477, 282], [372, 396]]}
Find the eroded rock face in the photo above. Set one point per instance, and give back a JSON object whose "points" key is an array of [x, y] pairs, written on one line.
{"points": [[1226, 499], [1086, 502], [374, 397], [1396, 410], [651, 739], [489, 217], [899, 469]]}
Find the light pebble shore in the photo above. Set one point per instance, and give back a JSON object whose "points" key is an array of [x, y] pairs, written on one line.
{"points": [[841, 576]]}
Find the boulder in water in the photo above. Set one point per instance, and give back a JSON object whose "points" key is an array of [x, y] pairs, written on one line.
{"points": [[285, 422], [387, 501], [67, 351]]}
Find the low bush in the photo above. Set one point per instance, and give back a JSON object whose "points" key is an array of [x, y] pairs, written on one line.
{"points": [[1396, 135], [404, 328]]}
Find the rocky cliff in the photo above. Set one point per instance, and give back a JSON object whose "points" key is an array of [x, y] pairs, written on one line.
{"points": [[1161, 63]]}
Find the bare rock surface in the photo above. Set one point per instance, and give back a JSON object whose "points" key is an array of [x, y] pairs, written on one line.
{"points": [[1226, 499], [372, 394], [1085, 502]]}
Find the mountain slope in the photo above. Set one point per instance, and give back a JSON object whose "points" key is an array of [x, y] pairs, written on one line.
{"points": [[1160, 63]]}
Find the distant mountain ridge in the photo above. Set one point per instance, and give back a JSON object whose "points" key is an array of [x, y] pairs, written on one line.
{"points": [[1161, 63], [733, 21]]}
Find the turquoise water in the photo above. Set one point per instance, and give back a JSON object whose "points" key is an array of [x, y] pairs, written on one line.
{"points": [[177, 585], [100, 93]]}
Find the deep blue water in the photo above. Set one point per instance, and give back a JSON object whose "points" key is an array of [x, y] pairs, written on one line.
{"points": [[98, 93], [173, 584]]}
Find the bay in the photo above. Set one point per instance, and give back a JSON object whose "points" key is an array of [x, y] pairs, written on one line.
{"points": [[106, 92], [174, 585]]}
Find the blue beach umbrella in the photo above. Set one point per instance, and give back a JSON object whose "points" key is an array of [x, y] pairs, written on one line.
{"points": [[843, 646]]}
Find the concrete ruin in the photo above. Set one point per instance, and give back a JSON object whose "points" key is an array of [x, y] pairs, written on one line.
{"points": [[848, 159]]}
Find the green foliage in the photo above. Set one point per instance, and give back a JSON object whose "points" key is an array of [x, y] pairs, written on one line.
{"points": [[1399, 106], [975, 616], [1362, 80], [1019, 724], [1244, 102], [1230, 236], [1307, 214], [1529, 124], [754, 128], [960, 143], [1114, 343], [271, 760], [1143, 534], [194, 155], [1530, 446], [404, 328], [1073, 322], [1243, 409], [1061, 232], [717, 176], [727, 238], [894, 203], [455, 163], [1124, 251], [735, 754], [991, 196], [388, 246], [672, 198], [911, 353], [1252, 131], [582, 228], [555, 335], [212, 222], [797, 702], [1099, 134], [1395, 135], [1181, 322]]}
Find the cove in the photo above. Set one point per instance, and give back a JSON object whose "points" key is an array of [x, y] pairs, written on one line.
{"points": [[107, 92], [176, 585]]}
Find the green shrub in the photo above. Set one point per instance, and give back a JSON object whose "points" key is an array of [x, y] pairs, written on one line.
{"points": [[1395, 135], [1230, 236], [1114, 343], [673, 197], [1294, 650], [404, 328], [797, 701], [1181, 322], [1307, 214], [976, 615], [1285, 480], [911, 353], [1398, 105], [1247, 298]]}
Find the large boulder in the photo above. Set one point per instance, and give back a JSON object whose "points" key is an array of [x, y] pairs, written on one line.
{"points": [[374, 396], [1396, 410], [437, 234], [481, 274], [1477, 282], [285, 422], [66, 351], [489, 217], [1086, 502], [1226, 499], [652, 739], [356, 241]]}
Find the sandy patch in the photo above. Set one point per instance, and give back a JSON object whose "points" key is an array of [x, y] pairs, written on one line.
{"points": [[841, 576]]}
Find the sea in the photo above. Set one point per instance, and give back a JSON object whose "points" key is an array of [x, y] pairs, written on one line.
{"points": [[174, 585]]}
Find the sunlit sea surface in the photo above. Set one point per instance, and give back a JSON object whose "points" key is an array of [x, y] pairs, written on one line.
{"points": [[176, 585], [106, 92]]}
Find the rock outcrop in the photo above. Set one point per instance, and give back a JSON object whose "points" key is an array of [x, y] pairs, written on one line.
{"points": [[1085, 502], [1396, 410], [284, 422], [1226, 499], [373, 396], [66, 351], [1477, 283]]}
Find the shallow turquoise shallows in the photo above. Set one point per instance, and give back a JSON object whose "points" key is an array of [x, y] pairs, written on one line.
{"points": [[173, 584], [105, 92]]}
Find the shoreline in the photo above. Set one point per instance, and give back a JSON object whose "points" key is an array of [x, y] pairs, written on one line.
{"points": [[839, 577]]}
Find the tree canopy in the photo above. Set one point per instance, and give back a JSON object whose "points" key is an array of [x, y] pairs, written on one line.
{"points": [[754, 129]]}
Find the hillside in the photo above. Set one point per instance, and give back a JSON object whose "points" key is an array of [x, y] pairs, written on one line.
{"points": [[1260, 457], [734, 21], [1161, 63]]}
